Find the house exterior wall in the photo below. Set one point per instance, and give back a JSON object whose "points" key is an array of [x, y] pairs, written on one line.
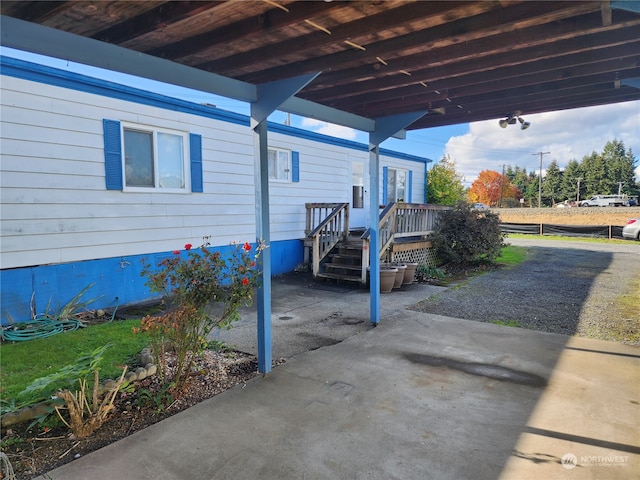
{"points": [[61, 228]]}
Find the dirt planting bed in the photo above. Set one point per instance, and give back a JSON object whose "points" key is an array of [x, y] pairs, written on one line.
{"points": [[616, 216]]}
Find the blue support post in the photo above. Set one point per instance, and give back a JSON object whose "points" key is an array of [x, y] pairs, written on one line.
{"points": [[374, 237], [263, 235]]}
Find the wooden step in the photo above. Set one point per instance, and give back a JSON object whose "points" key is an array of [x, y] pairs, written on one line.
{"points": [[346, 259], [337, 276], [343, 266]]}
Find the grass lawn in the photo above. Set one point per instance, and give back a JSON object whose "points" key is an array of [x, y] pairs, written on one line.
{"points": [[512, 255], [24, 362], [569, 239]]}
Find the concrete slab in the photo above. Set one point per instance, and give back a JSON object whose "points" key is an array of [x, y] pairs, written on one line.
{"points": [[418, 397]]}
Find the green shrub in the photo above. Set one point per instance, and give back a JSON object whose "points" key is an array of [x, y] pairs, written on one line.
{"points": [[466, 236]]}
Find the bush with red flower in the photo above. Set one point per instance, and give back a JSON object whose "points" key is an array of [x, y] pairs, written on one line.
{"points": [[193, 286]]}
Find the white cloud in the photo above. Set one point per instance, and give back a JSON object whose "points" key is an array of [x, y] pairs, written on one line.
{"points": [[567, 135], [329, 129]]}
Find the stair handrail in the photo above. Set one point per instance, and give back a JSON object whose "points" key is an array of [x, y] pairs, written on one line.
{"points": [[401, 219], [328, 233]]}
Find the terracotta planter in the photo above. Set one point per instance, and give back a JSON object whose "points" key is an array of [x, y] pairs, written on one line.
{"points": [[387, 278], [410, 273], [400, 275]]}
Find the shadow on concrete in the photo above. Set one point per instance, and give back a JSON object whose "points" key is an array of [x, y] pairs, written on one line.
{"points": [[421, 396]]}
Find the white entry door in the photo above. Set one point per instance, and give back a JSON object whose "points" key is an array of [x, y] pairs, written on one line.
{"points": [[359, 208]]}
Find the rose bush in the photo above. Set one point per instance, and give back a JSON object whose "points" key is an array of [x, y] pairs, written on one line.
{"points": [[201, 290]]}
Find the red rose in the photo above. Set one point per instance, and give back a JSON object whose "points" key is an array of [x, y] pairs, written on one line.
{"points": [[176, 252], [247, 247], [188, 246], [245, 281]]}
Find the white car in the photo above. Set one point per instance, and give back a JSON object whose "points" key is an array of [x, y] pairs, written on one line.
{"points": [[632, 229]]}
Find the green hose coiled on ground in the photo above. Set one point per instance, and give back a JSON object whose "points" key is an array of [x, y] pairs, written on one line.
{"points": [[42, 326], [39, 327]]}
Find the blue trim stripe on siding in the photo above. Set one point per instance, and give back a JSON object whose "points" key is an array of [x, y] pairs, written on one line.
{"points": [[195, 152], [410, 187], [14, 67], [295, 166], [385, 185], [112, 154], [113, 284]]}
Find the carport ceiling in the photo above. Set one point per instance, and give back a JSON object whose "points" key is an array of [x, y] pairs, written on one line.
{"points": [[461, 61]]}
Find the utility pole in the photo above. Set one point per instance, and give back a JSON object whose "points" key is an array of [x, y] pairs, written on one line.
{"points": [[578, 195], [501, 185], [540, 177]]}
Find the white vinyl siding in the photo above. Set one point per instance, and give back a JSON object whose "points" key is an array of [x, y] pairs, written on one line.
{"points": [[55, 207]]}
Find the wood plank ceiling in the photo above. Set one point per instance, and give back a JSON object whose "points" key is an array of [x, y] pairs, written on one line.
{"points": [[462, 61]]}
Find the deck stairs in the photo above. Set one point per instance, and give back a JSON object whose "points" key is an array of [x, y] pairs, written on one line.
{"points": [[335, 252], [344, 263]]}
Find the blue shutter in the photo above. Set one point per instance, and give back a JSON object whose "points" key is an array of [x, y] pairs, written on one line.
{"points": [[112, 154], [195, 153], [409, 189], [385, 187], [295, 166]]}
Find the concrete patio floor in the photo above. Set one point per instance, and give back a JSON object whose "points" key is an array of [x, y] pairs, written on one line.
{"points": [[418, 397]]}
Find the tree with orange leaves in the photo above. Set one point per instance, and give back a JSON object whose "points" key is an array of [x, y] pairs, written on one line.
{"points": [[488, 186]]}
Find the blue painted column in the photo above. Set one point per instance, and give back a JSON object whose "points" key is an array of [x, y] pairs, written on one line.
{"points": [[374, 230], [263, 234], [269, 96]]}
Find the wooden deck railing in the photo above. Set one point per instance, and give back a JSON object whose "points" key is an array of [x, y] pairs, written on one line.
{"points": [[327, 224], [398, 220]]}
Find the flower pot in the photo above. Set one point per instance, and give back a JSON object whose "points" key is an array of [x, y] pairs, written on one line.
{"points": [[387, 278], [400, 275], [410, 273]]}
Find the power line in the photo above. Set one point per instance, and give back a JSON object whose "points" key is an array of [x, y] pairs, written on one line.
{"points": [[540, 177]]}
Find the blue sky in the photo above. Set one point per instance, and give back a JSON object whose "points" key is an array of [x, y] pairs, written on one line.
{"points": [[474, 147]]}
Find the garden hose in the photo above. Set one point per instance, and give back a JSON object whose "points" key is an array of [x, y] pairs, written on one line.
{"points": [[43, 326], [39, 327]]}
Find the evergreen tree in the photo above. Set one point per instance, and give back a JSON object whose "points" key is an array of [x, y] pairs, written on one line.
{"points": [[595, 173], [572, 180], [620, 168], [531, 192], [552, 184], [444, 184]]}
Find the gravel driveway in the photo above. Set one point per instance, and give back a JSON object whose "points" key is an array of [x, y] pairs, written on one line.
{"points": [[572, 288]]}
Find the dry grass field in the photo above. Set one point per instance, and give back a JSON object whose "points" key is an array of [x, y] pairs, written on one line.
{"points": [[615, 216]]}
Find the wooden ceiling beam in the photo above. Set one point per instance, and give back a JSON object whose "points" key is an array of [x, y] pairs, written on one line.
{"points": [[494, 23], [154, 19], [576, 101], [485, 82], [32, 11], [246, 28], [517, 62], [556, 91], [535, 85], [434, 13], [503, 49]]}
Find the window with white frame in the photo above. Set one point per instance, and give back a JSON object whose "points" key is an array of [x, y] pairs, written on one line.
{"points": [[279, 164], [396, 185], [155, 158]]}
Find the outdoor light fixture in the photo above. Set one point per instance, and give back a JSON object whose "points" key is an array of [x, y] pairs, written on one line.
{"points": [[523, 125], [511, 120]]}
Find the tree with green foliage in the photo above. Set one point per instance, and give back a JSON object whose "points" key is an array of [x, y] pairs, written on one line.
{"points": [[444, 183], [552, 184], [620, 166], [572, 181]]}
